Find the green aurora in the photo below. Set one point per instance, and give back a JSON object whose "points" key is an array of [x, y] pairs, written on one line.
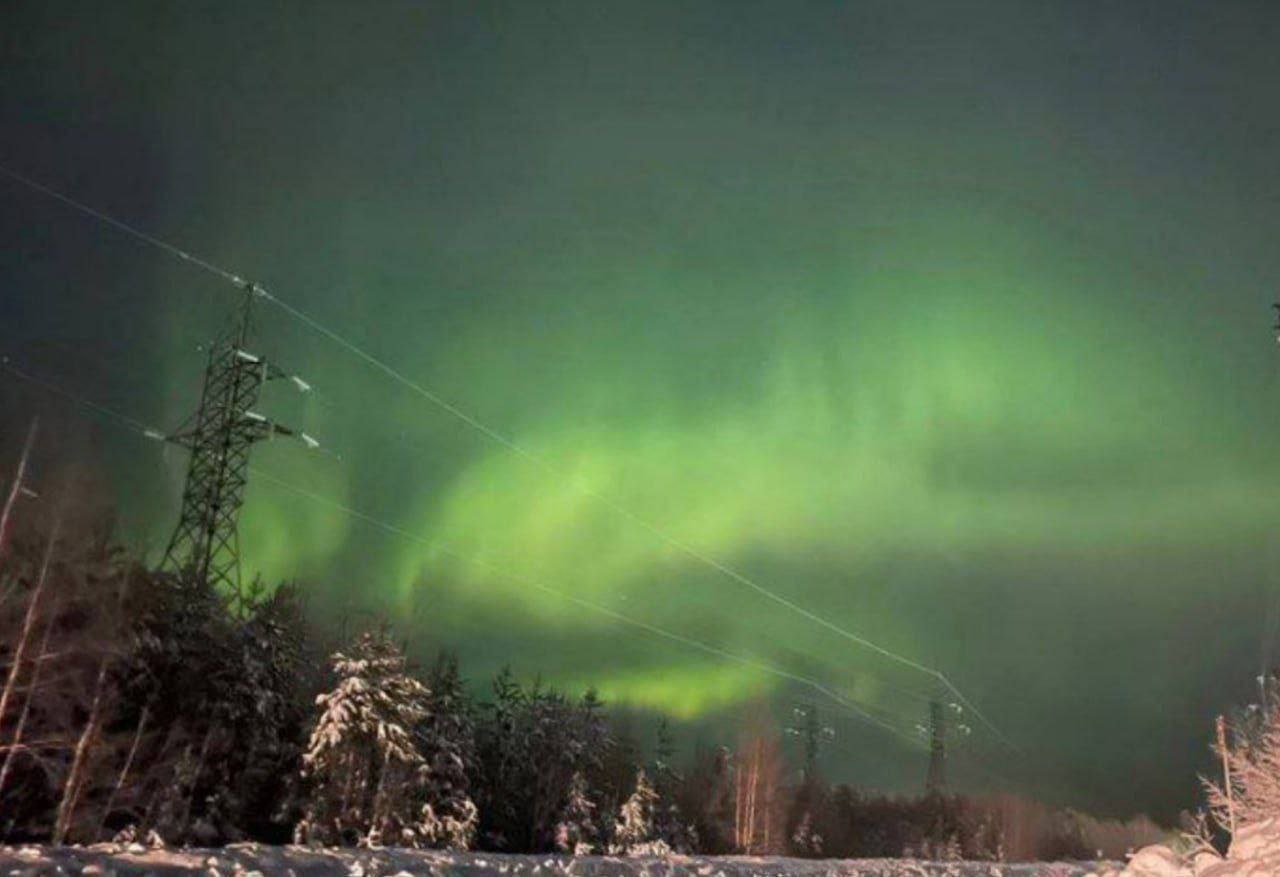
{"points": [[948, 326]]}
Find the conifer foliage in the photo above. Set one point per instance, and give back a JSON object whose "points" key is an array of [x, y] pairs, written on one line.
{"points": [[362, 761], [135, 705], [635, 833], [446, 739], [576, 831], [669, 823], [1251, 755], [531, 744]]}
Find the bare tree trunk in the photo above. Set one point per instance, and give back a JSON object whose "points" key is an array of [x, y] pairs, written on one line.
{"points": [[152, 805], [767, 811], [31, 693], [75, 778], [195, 778], [124, 771], [739, 808], [1226, 773], [347, 787], [16, 489], [379, 797], [28, 622]]}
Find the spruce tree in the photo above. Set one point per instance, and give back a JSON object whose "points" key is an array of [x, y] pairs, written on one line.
{"points": [[669, 823], [576, 831], [362, 763], [502, 749], [634, 832], [805, 840], [447, 742]]}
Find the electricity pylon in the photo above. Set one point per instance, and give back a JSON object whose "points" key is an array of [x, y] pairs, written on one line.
{"points": [[813, 732], [935, 782], [205, 544]]}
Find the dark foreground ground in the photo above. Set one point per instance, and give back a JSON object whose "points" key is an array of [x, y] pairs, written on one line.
{"points": [[246, 859]]}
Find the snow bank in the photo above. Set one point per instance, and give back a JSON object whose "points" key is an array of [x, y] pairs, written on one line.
{"points": [[254, 859], [1153, 861], [1255, 852]]}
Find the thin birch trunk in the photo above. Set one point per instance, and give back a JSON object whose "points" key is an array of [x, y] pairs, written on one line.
{"points": [[157, 760], [739, 808], [766, 810], [1226, 774], [31, 692], [16, 489], [75, 779], [195, 777], [162, 788], [28, 622], [124, 771]]}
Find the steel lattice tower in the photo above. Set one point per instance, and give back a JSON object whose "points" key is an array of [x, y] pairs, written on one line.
{"points": [[812, 733], [205, 544], [936, 779]]}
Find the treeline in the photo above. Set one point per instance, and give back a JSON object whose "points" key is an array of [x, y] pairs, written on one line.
{"points": [[136, 705]]}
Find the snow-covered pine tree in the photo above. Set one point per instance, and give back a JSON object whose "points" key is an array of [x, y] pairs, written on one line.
{"points": [[950, 851], [808, 802], [262, 716], [665, 751], [707, 799], [669, 823], [530, 743], [618, 764], [634, 832], [503, 755], [805, 841], [555, 746], [363, 767], [447, 742], [593, 731], [576, 831]]}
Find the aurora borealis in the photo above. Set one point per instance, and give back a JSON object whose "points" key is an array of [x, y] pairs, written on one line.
{"points": [[948, 322]]}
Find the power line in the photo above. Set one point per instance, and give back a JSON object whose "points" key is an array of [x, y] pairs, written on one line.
{"points": [[140, 428], [518, 449], [587, 604], [124, 227], [624, 512], [154, 434], [857, 710], [122, 419]]}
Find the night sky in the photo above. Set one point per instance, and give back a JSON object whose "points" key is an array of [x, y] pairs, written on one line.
{"points": [[948, 322]]}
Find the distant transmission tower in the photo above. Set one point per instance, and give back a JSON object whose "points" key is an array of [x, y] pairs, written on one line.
{"points": [[935, 782], [205, 543], [812, 732]]}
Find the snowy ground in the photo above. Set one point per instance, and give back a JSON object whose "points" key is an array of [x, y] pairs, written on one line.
{"points": [[107, 859]]}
